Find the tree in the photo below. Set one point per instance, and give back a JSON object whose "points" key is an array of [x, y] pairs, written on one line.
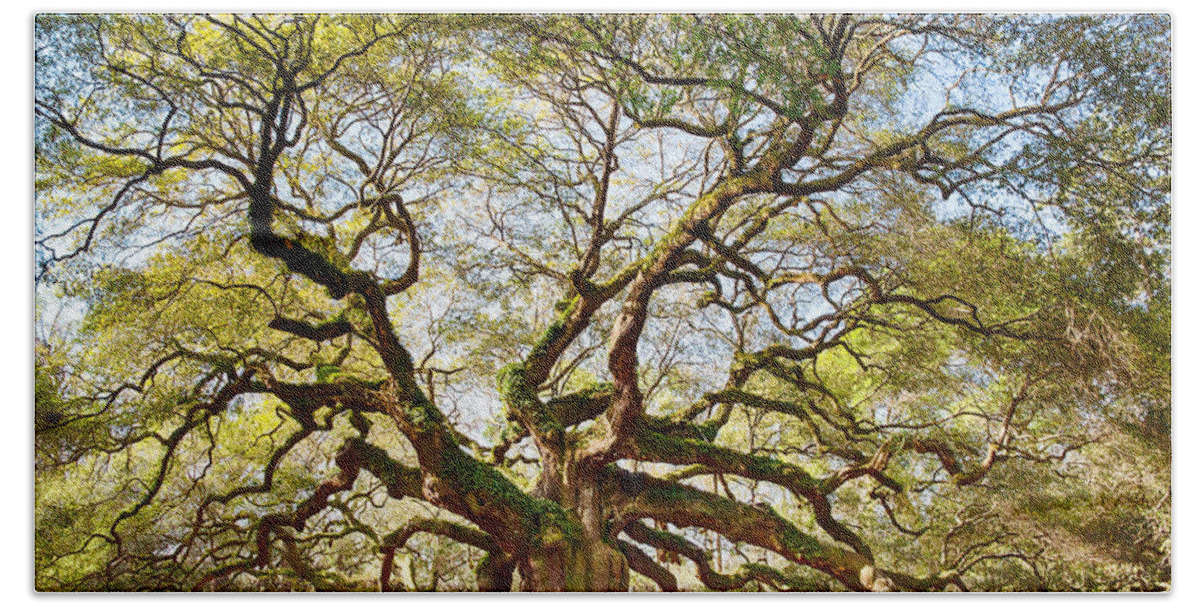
{"points": [[876, 302]]}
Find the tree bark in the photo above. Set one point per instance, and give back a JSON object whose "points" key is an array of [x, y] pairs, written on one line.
{"points": [[582, 557]]}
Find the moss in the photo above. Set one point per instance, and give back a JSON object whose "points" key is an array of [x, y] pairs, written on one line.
{"points": [[551, 535], [539, 516], [510, 379], [557, 329], [710, 429], [688, 451], [801, 545], [771, 468], [733, 514], [584, 404], [422, 413], [669, 493], [562, 306], [327, 373], [658, 537], [594, 390], [521, 401]]}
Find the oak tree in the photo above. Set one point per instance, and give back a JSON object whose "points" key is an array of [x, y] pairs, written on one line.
{"points": [[867, 302]]}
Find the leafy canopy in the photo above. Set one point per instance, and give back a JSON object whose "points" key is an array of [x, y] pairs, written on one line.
{"points": [[603, 302]]}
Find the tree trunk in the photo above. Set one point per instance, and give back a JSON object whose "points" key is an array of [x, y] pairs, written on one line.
{"points": [[581, 557], [573, 564]]}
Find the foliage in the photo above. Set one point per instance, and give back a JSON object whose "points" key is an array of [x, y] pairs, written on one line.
{"points": [[354, 302]]}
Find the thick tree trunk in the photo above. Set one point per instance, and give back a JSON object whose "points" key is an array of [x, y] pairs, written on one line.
{"points": [[573, 564], [583, 557]]}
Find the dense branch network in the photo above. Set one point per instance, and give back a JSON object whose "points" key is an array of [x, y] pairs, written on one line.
{"points": [[332, 153]]}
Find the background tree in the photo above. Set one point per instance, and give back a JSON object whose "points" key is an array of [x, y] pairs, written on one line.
{"points": [[586, 303]]}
